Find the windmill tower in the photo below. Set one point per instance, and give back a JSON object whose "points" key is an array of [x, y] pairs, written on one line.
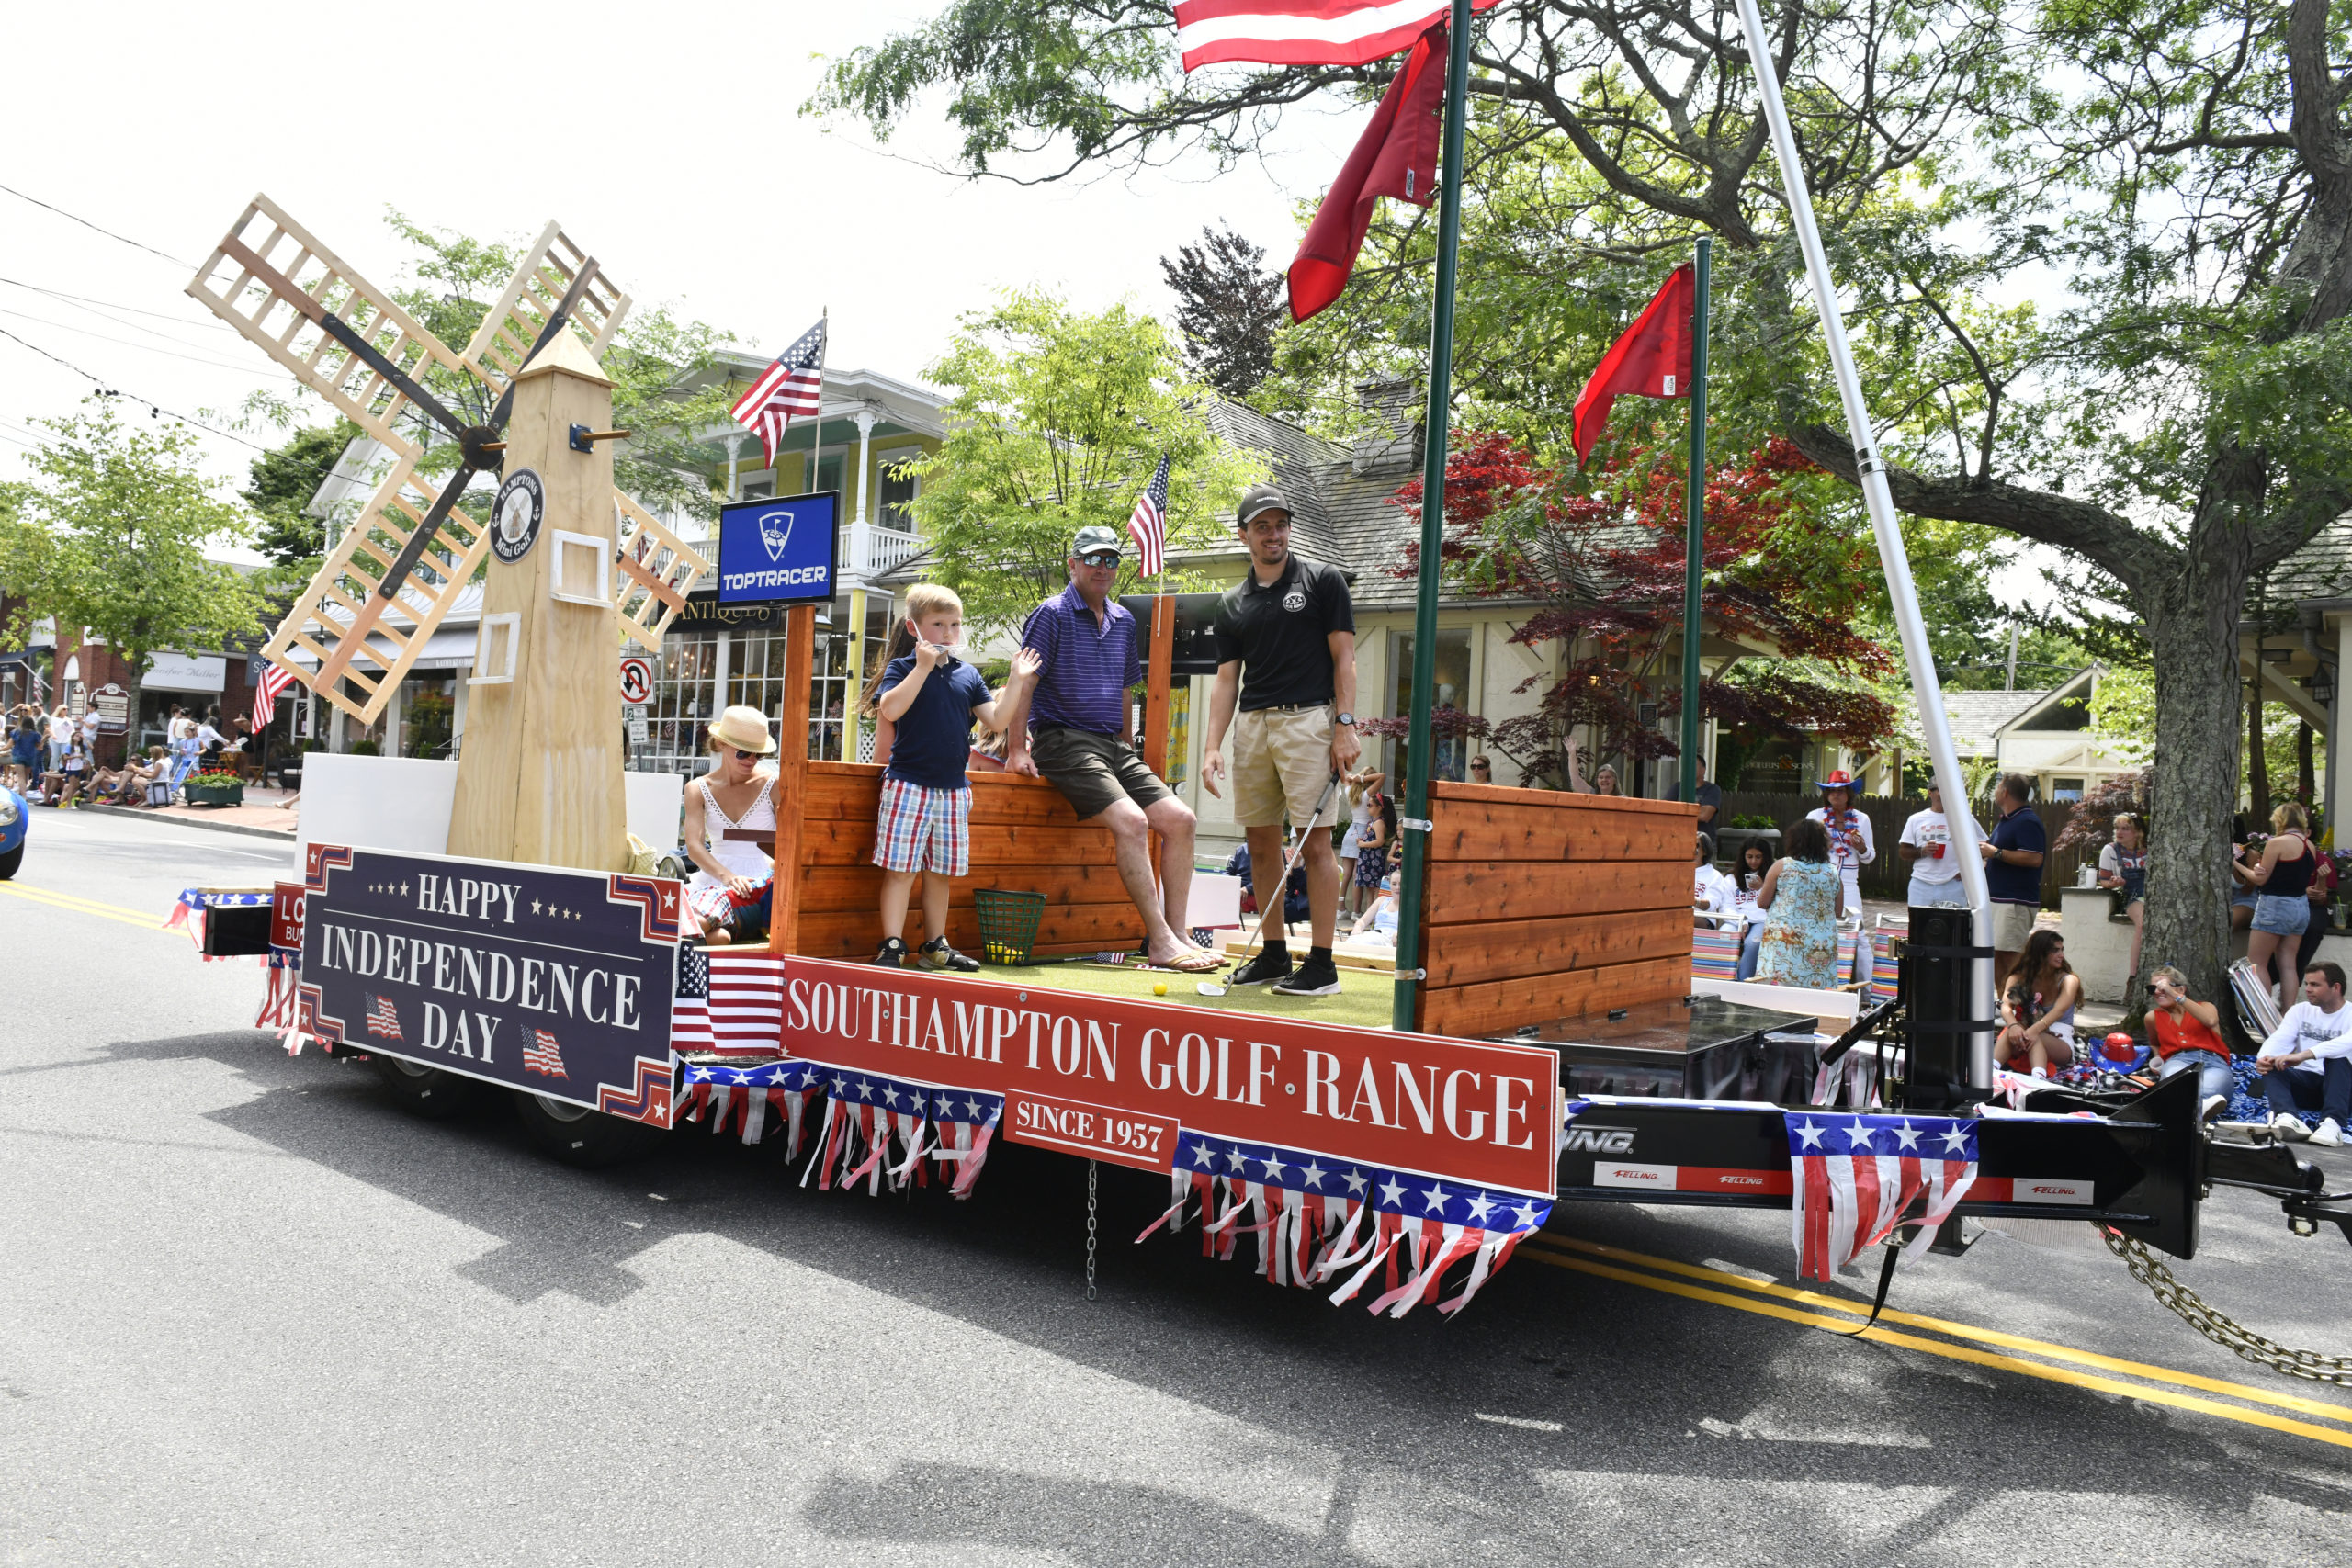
{"points": [[570, 566]]}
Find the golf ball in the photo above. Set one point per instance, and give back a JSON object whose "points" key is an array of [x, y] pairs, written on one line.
{"points": [[1159, 988]]}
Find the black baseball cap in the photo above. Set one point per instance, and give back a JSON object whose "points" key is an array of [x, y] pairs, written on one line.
{"points": [[1258, 498]]}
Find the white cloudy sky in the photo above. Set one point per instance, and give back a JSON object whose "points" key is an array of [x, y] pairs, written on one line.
{"points": [[667, 139]]}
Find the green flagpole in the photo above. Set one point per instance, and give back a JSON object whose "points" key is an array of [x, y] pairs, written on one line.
{"points": [[1419, 745], [1694, 508]]}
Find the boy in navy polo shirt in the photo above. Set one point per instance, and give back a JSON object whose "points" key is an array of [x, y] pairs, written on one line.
{"points": [[929, 696]]}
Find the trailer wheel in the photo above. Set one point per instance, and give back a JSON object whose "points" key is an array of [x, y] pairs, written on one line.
{"points": [[579, 1136], [10, 861], [424, 1091]]}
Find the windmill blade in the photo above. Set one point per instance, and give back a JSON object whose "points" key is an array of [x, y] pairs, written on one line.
{"points": [[391, 632], [336, 332], [657, 570], [502, 343]]}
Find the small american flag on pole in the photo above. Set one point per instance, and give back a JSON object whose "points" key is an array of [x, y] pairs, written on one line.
{"points": [[382, 1017], [541, 1056], [790, 386], [1149, 523], [275, 679], [1855, 1175]]}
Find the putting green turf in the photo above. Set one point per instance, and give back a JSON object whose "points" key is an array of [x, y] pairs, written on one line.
{"points": [[1365, 1000]]}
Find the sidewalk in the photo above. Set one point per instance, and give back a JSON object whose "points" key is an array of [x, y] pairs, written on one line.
{"points": [[262, 815]]}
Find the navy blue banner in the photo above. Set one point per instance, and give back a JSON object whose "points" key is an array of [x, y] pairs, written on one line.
{"points": [[785, 549], [557, 982]]}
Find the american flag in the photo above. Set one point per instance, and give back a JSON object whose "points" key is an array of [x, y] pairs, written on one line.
{"points": [[275, 679], [1303, 32], [790, 386], [383, 1020], [1149, 523], [728, 1002], [1855, 1175], [541, 1056]]}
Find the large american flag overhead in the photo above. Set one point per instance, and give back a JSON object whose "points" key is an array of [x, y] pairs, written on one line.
{"points": [[1303, 32], [790, 386]]}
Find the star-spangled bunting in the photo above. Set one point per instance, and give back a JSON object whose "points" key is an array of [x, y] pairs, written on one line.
{"points": [[1318, 1218], [1148, 524], [793, 385], [1855, 1175]]}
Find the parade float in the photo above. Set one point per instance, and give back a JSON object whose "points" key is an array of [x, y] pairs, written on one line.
{"points": [[1547, 1044]]}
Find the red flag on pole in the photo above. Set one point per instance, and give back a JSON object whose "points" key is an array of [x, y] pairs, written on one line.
{"points": [[1652, 360], [1396, 156]]}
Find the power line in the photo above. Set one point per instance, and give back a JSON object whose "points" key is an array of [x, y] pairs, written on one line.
{"points": [[85, 223], [86, 300], [105, 390], [150, 349]]}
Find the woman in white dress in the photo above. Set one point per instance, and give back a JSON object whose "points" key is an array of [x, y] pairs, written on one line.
{"points": [[730, 891], [1851, 843]]}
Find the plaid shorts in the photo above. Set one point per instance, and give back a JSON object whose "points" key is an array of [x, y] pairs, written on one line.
{"points": [[923, 829]]}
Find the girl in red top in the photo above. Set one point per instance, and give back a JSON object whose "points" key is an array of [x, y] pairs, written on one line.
{"points": [[2188, 1036]]}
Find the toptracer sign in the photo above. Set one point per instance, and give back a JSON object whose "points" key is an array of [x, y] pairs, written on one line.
{"points": [[781, 551]]}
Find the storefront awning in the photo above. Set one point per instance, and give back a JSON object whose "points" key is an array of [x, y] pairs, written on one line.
{"points": [[444, 650]]}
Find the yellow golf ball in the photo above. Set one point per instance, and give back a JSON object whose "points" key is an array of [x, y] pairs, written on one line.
{"points": [[1159, 988]]}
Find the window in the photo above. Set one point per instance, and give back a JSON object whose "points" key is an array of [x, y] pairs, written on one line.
{"points": [[2065, 789], [684, 676], [1450, 759], [897, 489], [755, 679], [428, 713]]}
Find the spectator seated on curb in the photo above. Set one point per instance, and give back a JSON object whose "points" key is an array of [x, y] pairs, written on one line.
{"points": [[127, 785], [1378, 923], [2187, 1037], [2307, 1062], [1294, 903]]}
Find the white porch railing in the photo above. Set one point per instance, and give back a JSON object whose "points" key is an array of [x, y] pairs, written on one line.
{"points": [[876, 551]]}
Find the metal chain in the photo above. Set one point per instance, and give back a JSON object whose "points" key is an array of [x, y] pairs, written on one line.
{"points": [[1090, 1230], [2149, 1270]]}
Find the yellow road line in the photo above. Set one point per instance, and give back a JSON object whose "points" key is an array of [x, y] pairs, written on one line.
{"points": [[1956, 1352], [82, 906], [2326, 1409]]}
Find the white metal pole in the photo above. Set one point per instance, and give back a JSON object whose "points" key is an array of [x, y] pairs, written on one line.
{"points": [[1900, 589]]}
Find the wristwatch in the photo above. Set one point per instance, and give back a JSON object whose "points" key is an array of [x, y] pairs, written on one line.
{"points": [[1349, 719]]}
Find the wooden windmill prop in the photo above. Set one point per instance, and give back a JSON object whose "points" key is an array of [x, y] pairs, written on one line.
{"points": [[397, 570]]}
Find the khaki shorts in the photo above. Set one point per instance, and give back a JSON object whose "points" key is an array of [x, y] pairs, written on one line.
{"points": [[1282, 757], [2012, 924]]}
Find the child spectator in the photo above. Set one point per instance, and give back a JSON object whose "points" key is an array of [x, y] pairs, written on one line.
{"points": [[1745, 881], [929, 695]]}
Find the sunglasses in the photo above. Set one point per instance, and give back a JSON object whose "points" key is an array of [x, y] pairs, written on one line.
{"points": [[1099, 559]]}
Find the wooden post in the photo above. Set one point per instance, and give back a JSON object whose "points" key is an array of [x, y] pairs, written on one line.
{"points": [[1158, 684], [791, 794]]}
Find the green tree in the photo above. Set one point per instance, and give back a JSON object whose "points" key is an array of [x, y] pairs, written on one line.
{"points": [[1058, 419], [1228, 305], [280, 487], [111, 538]]}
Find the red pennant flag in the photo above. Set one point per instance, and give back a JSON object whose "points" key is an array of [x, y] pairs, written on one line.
{"points": [[1652, 360], [1396, 156]]}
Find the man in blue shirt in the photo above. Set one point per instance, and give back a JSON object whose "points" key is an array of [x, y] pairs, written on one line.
{"points": [[1089, 651], [2013, 858]]}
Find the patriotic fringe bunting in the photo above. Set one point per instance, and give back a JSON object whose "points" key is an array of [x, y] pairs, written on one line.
{"points": [[188, 913], [742, 1097], [1315, 1223], [866, 1114]]}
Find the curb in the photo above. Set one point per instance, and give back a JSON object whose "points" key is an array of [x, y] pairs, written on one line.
{"points": [[191, 822]]}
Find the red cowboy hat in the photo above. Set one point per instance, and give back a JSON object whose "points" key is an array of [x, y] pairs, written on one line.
{"points": [[1840, 779]]}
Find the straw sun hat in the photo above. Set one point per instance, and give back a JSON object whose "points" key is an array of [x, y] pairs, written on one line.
{"points": [[742, 729]]}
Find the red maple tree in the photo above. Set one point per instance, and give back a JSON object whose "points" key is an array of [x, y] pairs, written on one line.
{"points": [[1602, 568]]}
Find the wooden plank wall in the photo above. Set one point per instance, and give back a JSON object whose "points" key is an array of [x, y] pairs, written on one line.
{"points": [[1540, 905], [1024, 836]]}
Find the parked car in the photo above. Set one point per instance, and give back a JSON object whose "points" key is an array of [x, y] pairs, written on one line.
{"points": [[12, 819]]}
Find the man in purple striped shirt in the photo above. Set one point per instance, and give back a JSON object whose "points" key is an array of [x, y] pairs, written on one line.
{"points": [[1075, 739]]}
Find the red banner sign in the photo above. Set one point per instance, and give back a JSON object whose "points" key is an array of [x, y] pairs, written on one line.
{"points": [[1457, 1109], [286, 916]]}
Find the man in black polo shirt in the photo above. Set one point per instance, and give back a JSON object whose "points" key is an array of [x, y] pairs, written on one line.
{"points": [[1290, 622]]}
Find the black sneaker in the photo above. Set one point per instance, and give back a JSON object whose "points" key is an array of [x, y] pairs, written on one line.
{"points": [[1270, 964], [1316, 978], [893, 955], [936, 954]]}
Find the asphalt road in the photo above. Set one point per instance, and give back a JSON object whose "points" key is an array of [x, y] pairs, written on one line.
{"points": [[249, 1314]]}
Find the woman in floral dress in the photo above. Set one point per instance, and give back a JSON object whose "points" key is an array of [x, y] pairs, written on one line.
{"points": [[1803, 896]]}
